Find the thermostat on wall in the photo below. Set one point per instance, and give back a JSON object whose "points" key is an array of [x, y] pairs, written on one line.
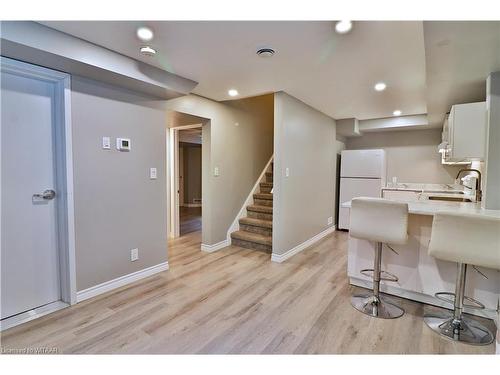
{"points": [[123, 144]]}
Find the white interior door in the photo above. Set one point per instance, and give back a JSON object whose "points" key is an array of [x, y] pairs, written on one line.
{"points": [[29, 248]]}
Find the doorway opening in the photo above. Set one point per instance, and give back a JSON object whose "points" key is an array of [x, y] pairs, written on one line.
{"points": [[190, 144], [185, 177]]}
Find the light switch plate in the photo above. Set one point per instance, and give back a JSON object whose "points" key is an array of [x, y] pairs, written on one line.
{"points": [[152, 173], [134, 255], [287, 172], [106, 143], [216, 171]]}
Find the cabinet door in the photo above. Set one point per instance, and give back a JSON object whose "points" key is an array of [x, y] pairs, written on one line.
{"points": [[445, 133], [467, 126], [451, 122]]}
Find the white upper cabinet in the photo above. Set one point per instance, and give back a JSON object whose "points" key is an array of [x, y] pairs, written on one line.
{"points": [[465, 133]]}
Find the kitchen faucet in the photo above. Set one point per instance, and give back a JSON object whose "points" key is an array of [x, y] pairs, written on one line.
{"points": [[478, 181]]}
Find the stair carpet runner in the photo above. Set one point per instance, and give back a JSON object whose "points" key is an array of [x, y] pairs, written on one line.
{"points": [[256, 230]]}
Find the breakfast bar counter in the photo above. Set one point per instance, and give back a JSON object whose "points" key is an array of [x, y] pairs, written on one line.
{"points": [[425, 207], [420, 275]]}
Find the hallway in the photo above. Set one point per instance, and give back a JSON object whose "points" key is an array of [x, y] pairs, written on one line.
{"points": [[190, 219]]}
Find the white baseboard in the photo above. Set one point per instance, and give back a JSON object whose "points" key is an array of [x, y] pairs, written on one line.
{"points": [[93, 291], [215, 247], [304, 245], [32, 314]]}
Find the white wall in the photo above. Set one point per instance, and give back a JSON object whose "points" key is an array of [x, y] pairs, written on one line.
{"points": [[491, 187], [238, 139], [117, 206], [304, 142], [412, 155], [340, 144]]}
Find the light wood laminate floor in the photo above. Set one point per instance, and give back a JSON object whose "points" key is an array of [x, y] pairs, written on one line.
{"points": [[235, 301], [190, 220]]}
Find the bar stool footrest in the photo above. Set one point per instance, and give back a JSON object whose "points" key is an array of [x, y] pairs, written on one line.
{"points": [[473, 304], [441, 296], [384, 275]]}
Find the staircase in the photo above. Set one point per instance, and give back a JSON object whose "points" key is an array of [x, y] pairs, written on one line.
{"points": [[256, 230]]}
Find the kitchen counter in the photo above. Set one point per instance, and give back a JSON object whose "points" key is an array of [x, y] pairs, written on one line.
{"points": [[421, 275], [426, 207]]}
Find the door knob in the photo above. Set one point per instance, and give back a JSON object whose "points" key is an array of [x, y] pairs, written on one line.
{"points": [[48, 195]]}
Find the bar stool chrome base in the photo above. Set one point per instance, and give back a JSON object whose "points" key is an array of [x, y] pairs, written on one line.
{"points": [[463, 330], [378, 307]]}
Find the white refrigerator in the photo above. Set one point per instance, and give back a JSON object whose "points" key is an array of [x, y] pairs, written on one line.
{"points": [[362, 174]]}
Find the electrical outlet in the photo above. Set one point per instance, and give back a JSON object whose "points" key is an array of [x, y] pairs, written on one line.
{"points": [[330, 220], [134, 255], [287, 172]]}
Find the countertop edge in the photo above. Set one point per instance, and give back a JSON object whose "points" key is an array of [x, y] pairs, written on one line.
{"points": [[431, 208]]}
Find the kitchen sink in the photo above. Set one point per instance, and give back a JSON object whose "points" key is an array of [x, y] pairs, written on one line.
{"points": [[450, 199]]}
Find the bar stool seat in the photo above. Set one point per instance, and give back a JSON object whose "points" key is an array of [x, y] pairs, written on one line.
{"points": [[381, 221], [467, 239]]}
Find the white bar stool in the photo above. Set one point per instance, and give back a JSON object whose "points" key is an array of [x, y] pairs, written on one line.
{"points": [[465, 239], [382, 221]]}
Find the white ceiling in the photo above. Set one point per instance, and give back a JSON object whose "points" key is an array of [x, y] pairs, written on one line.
{"points": [[333, 73], [459, 58]]}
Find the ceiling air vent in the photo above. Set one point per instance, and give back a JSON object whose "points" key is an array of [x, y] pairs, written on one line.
{"points": [[265, 52]]}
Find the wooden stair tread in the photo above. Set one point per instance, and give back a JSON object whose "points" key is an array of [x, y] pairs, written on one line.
{"points": [[262, 209], [256, 230], [256, 222], [252, 237], [266, 196]]}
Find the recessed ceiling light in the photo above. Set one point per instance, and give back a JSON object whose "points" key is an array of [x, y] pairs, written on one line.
{"points": [[380, 86], [343, 27], [232, 92], [397, 112], [145, 34], [266, 52], [148, 51]]}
